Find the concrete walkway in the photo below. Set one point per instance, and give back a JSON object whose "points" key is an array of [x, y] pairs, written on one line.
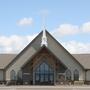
{"points": [[44, 87]]}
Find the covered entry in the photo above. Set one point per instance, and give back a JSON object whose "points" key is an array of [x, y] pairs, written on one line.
{"points": [[44, 74], [43, 68]]}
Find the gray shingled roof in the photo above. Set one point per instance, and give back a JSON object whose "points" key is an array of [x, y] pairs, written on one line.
{"points": [[83, 59], [5, 59]]}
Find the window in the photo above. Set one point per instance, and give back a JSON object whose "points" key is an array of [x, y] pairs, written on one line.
{"points": [[68, 75], [12, 75], [44, 73], [19, 75], [76, 75]]}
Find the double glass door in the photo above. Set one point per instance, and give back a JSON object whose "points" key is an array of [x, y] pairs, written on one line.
{"points": [[44, 74]]}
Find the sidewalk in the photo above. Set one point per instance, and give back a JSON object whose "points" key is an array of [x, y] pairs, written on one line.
{"points": [[44, 87]]}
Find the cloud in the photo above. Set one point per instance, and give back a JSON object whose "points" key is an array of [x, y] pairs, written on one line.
{"points": [[66, 29], [70, 29], [77, 47], [14, 43], [25, 22], [86, 27]]}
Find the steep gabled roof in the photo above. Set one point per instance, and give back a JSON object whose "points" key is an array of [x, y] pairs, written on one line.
{"points": [[68, 53], [56, 49]]}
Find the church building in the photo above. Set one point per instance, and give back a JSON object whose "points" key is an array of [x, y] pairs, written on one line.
{"points": [[44, 61]]}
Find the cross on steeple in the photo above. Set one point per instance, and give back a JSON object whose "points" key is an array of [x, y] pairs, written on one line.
{"points": [[44, 14], [44, 37]]}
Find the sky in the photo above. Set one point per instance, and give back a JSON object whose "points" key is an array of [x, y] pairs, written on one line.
{"points": [[67, 20]]}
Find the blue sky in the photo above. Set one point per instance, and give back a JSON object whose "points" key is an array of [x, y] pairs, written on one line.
{"points": [[67, 20]]}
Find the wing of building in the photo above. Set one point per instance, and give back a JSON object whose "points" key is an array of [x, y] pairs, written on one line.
{"points": [[44, 61]]}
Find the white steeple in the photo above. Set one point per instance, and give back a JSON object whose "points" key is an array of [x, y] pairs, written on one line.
{"points": [[44, 38]]}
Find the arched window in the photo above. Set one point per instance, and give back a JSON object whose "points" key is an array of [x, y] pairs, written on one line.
{"points": [[76, 75], [68, 75], [19, 75], [12, 75], [44, 73]]}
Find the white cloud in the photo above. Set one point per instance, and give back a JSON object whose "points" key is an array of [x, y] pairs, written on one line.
{"points": [[25, 22], [86, 27], [69, 29], [14, 43], [77, 47], [66, 29]]}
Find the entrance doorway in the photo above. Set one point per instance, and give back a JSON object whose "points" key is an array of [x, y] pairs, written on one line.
{"points": [[44, 74]]}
